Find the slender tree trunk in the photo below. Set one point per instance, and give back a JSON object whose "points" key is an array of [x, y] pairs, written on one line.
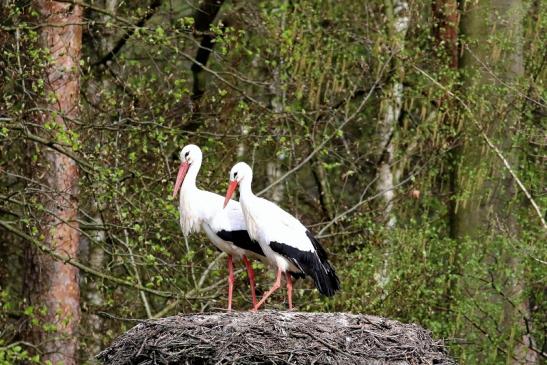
{"points": [[490, 192], [53, 284], [397, 12], [445, 27], [446, 19], [325, 197], [205, 16], [277, 102], [97, 255]]}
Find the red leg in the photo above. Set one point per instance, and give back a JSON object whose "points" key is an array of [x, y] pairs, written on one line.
{"points": [[251, 273], [289, 289], [274, 287], [230, 281]]}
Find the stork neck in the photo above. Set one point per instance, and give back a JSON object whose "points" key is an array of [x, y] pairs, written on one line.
{"points": [[190, 179], [245, 190]]}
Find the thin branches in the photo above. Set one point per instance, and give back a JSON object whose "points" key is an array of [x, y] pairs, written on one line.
{"points": [[123, 40], [332, 135], [490, 144], [71, 261]]}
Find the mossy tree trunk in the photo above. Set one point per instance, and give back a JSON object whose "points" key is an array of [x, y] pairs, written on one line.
{"points": [[488, 200]]}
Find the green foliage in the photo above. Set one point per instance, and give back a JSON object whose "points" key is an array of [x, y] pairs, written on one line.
{"points": [[281, 81]]}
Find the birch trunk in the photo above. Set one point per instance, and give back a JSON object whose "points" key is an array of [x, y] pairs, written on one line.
{"points": [[397, 12], [277, 102]]}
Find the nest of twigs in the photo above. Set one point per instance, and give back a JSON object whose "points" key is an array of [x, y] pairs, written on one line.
{"points": [[270, 337]]}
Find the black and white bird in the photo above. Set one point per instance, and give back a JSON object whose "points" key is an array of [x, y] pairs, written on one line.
{"points": [[202, 210], [289, 246]]}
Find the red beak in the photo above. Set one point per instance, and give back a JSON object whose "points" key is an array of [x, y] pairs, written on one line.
{"points": [[183, 169], [231, 188]]}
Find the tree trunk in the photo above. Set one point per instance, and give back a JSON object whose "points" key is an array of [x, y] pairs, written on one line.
{"points": [[397, 12], [475, 212], [96, 254], [491, 201], [205, 16], [445, 27], [53, 284]]}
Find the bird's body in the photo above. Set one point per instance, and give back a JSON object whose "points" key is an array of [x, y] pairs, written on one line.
{"points": [[202, 210], [288, 245]]}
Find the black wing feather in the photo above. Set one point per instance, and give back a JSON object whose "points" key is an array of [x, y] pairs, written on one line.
{"points": [[314, 264], [242, 240]]}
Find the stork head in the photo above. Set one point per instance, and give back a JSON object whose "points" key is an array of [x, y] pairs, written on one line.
{"points": [[189, 155], [240, 172]]}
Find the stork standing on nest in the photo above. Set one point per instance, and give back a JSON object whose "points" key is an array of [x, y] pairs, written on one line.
{"points": [[287, 243], [202, 210]]}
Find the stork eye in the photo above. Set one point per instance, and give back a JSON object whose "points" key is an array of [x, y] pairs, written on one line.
{"points": [[186, 154], [235, 174]]}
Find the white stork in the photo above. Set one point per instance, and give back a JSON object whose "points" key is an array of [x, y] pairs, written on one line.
{"points": [[287, 243], [201, 209]]}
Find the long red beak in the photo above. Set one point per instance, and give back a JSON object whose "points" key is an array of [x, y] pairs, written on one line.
{"points": [[231, 188], [183, 169]]}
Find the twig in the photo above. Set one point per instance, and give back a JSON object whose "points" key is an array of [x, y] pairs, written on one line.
{"points": [[84, 268], [98, 10], [57, 147], [363, 201], [144, 299], [123, 40], [540, 103], [209, 268], [332, 135], [490, 144]]}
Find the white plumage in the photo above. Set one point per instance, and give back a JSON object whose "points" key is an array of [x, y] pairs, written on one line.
{"points": [[267, 222], [287, 243], [202, 210]]}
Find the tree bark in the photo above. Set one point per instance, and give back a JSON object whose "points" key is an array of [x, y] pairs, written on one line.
{"points": [[491, 201], [446, 21], [475, 212], [53, 284], [204, 17], [397, 12], [96, 254], [445, 27]]}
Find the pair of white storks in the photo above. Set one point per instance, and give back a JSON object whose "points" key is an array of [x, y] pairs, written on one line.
{"points": [[254, 227]]}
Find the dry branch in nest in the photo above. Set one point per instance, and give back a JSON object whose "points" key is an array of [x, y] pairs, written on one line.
{"points": [[271, 337]]}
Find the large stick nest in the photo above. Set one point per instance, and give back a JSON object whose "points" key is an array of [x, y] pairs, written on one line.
{"points": [[270, 337]]}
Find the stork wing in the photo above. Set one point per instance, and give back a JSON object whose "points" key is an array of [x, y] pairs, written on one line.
{"points": [[288, 237], [280, 226]]}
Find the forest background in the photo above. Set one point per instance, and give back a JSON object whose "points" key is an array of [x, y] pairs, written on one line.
{"points": [[408, 135]]}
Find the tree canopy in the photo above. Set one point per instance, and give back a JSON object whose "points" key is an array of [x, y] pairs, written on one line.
{"points": [[409, 136]]}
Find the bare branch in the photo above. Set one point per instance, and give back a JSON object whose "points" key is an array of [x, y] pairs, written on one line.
{"points": [[84, 268], [332, 135], [490, 144]]}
